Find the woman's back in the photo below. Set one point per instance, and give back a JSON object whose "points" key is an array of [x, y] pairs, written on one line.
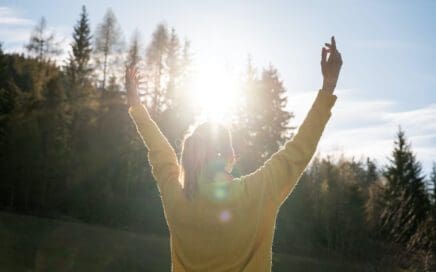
{"points": [[223, 228]]}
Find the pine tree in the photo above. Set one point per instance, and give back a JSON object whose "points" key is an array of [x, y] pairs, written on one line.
{"points": [[3, 68], [108, 45], [42, 44], [78, 67], [371, 174], [433, 182], [281, 117], [242, 124], [6, 95], [271, 118], [262, 120], [406, 204]]}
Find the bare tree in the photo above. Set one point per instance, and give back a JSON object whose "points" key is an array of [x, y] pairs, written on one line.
{"points": [[43, 44], [108, 44], [134, 52]]}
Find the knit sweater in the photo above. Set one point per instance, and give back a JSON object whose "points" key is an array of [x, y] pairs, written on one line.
{"points": [[229, 226]]}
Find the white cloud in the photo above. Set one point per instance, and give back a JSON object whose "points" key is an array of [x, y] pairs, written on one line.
{"points": [[13, 35], [14, 29], [10, 17], [367, 127]]}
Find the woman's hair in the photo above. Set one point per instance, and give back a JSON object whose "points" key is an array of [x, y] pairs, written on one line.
{"points": [[205, 151]]}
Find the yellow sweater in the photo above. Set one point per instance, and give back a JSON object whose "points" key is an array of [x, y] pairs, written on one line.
{"points": [[229, 226]]}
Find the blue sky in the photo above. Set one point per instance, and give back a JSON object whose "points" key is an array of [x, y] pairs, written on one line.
{"points": [[389, 48]]}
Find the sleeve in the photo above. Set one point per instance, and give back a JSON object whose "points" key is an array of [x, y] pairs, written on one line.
{"points": [[276, 178], [161, 155]]}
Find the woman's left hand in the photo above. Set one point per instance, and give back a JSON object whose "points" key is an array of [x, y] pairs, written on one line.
{"points": [[132, 82], [330, 67]]}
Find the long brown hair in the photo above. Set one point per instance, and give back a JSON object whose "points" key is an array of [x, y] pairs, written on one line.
{"points": [[205, 151]]}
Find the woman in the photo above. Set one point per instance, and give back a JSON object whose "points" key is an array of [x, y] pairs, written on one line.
{"points": [[217, 222]]}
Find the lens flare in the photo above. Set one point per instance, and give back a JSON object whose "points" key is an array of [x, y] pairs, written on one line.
{"points": [[215, 89], [225, 216]]}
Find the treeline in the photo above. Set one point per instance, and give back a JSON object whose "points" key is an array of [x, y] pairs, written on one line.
{"points": [[383, 216], [69, 149]]}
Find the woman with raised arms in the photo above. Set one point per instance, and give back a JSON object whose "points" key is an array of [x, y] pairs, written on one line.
{"points": [[218, 222]]}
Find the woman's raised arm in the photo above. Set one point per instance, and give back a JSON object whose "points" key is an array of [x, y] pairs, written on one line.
{"points": [[278, 176], [161, 155]]}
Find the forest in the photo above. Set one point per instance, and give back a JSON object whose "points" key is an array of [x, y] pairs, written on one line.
{"points": [[70, 152]]}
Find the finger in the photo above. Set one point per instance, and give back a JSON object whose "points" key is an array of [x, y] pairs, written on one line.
{"points": [[333, 43], [323, 55], [328, 44], [340, 58]]}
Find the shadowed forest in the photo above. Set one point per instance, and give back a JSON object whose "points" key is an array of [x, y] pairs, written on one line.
{"points": [[74, 170]]}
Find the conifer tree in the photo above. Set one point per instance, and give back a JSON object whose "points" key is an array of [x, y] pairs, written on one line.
{"points": [[406, 204], [263, 122], [433, 182], [81, 47]]}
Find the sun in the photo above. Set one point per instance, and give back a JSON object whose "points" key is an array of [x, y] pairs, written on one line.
{"points": [[215, 89]]}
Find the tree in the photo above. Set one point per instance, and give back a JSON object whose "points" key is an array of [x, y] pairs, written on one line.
{"points": [[168, 72], [108, 45], [371, 172], [3, 68], [266, 124], [278, 116], [242, 124], [6, 95], [173, 64], [41, 43], [155, 61], [433, 182], [406, 204], [81, 47], [134, 52]]}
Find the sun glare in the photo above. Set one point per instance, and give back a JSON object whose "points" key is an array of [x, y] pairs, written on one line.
{"points": [[214, 89]]}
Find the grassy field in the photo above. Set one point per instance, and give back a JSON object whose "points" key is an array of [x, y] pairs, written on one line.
{"points": [[35, 244]]}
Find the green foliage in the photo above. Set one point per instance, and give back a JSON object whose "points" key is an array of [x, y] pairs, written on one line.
{"points": [[406, 203], [78, 68], [326, 210], [261, 123], [433, 182], [405, 218]]}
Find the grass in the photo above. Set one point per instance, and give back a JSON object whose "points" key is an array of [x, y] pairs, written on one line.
{"points": [[35, 244], [30, 243]]}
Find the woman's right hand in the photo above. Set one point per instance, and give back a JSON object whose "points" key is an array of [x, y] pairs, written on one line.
{"points": [[132, 82], [330, 67]]}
